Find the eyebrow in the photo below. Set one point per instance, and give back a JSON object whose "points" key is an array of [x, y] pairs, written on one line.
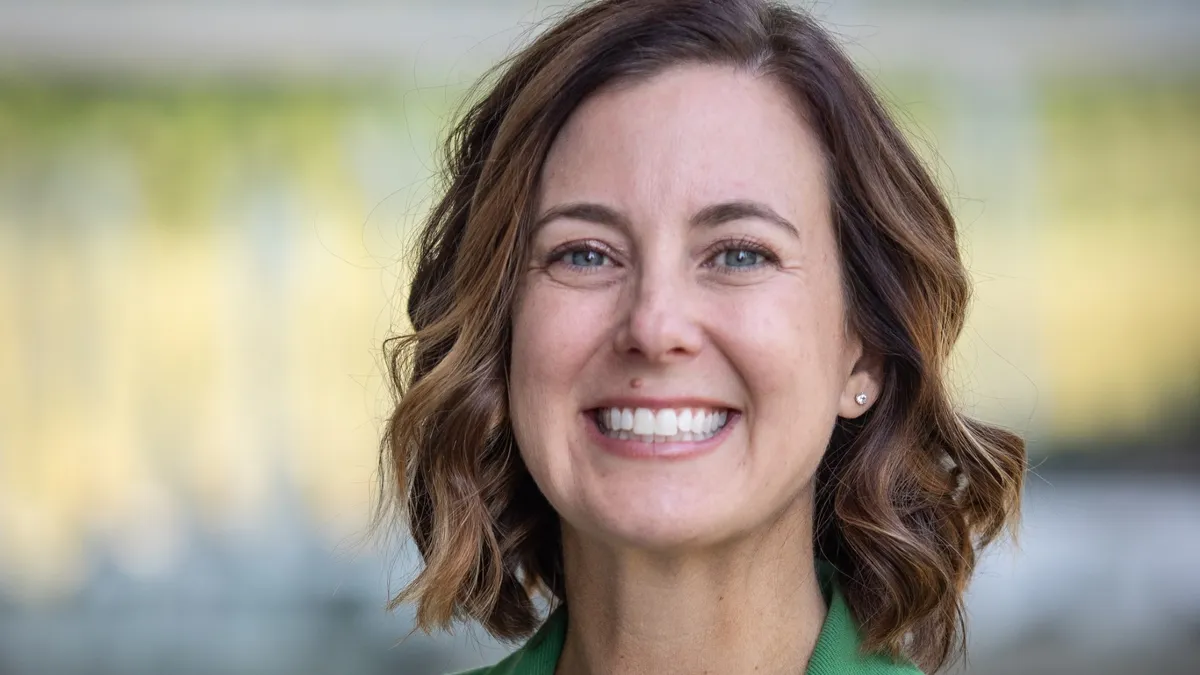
{"points": [[707, 217], [723, 212]]}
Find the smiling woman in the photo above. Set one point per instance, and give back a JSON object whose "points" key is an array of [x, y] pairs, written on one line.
{"points": [[680, 327]]}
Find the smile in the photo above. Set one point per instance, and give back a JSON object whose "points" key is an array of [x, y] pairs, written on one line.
{"points": [[667, 425]]}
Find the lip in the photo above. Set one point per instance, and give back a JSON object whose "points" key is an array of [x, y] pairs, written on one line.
{"points": [[661, 403], [678, 450]]}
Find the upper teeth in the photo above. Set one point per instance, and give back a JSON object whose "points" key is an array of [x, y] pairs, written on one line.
{"points": [[662, 425]]}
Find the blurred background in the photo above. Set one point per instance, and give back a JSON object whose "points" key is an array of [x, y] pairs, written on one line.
{"points": [[204, 211]]}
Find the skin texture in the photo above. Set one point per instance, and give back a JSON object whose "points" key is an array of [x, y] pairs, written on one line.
{"points": [[701, 564]]}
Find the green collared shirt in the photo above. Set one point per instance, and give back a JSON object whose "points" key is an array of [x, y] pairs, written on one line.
{"points": [[837, 651]]}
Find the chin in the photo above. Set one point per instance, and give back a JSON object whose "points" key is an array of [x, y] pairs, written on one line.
{"points": [[672, 517], [658, 523]]}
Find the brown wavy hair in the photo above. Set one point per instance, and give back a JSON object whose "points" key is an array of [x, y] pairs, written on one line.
{"points": [[906, 495]]}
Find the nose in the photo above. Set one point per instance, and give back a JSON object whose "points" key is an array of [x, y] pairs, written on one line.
{"points": [[660, 323]]}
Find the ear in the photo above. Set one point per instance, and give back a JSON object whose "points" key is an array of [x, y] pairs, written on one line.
{"points": [[865, 379]]}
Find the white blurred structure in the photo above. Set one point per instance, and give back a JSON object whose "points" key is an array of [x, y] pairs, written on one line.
{"points": [[304, 37]]}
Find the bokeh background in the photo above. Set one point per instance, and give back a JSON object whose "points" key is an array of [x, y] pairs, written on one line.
{"points": [[204, 213]]}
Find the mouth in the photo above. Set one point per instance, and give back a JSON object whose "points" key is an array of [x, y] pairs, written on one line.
{"points": [[664, 425]]}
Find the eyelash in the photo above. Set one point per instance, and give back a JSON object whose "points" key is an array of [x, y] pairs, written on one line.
{"points": [[723, 246]]}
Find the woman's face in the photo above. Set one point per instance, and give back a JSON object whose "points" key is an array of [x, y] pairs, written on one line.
{"points": [[680, 348]]}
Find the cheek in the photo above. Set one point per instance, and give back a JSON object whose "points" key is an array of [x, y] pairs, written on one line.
{"points": [[787, 336], [788, 346], [549, 336], [554, 335]]}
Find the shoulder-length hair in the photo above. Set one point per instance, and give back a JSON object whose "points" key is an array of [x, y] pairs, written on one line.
{"points": [[906, 495]]}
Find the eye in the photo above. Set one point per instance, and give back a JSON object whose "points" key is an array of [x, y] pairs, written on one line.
{"points": [[584, 257], [581, 257], [740, 257]]}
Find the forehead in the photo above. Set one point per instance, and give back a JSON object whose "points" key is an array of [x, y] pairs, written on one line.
{"points": [[685, 137]]}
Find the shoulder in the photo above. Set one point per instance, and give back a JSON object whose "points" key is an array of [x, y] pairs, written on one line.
{"points": [[506, 667], [515, 664], [539, 655], [882, 665], [839, 649]]}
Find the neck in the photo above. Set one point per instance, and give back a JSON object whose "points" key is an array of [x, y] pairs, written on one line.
{"points": [[750, 606]]}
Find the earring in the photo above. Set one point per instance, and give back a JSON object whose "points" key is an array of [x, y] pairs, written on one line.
{"points": [[861, 399]]}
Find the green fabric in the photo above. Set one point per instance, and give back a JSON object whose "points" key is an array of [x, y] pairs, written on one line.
{"points": [[836, 653]]}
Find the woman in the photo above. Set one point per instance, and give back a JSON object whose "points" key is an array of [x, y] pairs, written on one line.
{"points": [[680, 327]]}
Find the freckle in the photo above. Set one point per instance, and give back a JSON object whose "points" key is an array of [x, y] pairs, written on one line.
{"points": [[635, 382]]}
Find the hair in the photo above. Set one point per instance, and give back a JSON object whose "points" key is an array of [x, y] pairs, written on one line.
{"points": [[906, 495]]}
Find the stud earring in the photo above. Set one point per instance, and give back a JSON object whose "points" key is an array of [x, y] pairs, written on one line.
{"points": [[861, 399]]}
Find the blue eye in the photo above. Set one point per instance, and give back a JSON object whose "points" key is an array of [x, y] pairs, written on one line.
{"points": [[585, 257], [741, 257]]}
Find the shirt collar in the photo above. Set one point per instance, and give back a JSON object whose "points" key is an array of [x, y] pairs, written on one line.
{"points": [[838, 650]]}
